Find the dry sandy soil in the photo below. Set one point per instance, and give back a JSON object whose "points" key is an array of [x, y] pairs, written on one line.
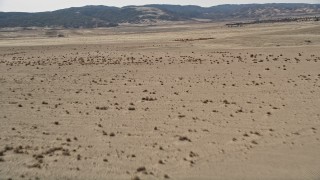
{"points": [[199, 101]]}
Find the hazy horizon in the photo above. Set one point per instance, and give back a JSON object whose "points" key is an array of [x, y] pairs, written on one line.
{"points": [[50, 5]]}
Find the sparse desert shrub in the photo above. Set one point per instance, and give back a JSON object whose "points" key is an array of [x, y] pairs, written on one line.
{"points": [[131, 108]]}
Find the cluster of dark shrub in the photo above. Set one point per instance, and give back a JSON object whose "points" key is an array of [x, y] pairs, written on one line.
{"points": [[279, 20]]}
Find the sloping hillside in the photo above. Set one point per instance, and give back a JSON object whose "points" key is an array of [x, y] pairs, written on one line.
{"points": [[104, 16]]}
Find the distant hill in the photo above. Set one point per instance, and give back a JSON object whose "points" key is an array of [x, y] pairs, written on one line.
{"points": [[104, 16]]}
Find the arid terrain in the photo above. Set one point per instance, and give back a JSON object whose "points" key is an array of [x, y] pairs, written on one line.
{"points": [[185, 101]]}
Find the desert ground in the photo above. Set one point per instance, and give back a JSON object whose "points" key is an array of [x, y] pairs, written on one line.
{"points": [[185, 101]]}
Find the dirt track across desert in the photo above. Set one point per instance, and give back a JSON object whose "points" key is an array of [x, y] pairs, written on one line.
{"points": [[180, 101]]}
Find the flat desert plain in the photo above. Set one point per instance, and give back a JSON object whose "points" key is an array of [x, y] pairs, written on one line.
{"points": [[186, 101]]}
